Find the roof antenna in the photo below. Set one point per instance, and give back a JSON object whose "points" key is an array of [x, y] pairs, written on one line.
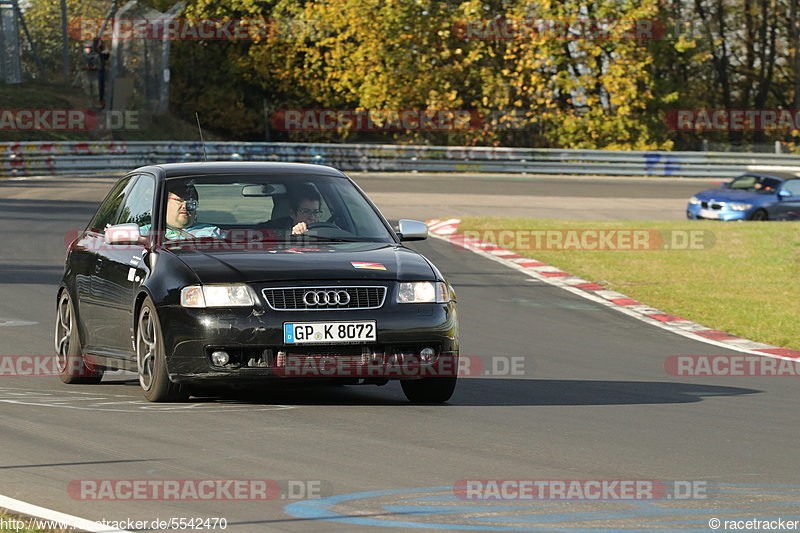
{"points": [[205, 155]]}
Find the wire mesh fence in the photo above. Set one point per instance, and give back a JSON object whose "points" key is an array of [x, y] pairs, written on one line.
{"points": [[139, 75], [10, 68]]}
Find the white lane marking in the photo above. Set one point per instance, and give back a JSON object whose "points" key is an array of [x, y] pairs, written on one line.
{"points": [[76, 522], [72, 400], [684, 328], [10, 322]]}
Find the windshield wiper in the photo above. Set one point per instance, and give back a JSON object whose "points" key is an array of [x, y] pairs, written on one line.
{"points": [[318, 238]]}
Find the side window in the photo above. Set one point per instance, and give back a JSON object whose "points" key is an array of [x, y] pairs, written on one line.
{"points": [[138, 206], [744, 182], [107, 213], [793, 186]]}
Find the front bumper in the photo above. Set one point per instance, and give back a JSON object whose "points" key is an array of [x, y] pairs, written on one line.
{"points": [[254, 339], [696, 212]]}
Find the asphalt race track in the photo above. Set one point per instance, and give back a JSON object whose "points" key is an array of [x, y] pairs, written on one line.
{"points": [[591, 401]]}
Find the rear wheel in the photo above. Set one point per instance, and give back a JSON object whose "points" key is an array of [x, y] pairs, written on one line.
{"points": [[151, 360], [71, 365], [429, 390], [760, 215]]}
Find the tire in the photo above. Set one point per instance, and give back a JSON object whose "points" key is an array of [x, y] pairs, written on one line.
{"points": [[760, 214], [429, 390], [70, 363], [151, 360]]}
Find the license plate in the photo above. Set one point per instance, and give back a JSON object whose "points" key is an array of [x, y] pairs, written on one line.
{"points": [[328, 332], [709, 213]]}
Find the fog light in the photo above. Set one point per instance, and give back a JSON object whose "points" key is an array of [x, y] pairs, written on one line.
{"points": [[427, 354], [220, 358]]}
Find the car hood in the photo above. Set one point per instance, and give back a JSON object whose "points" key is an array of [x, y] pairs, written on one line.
{"points": [[731, 195], [341, 261]]}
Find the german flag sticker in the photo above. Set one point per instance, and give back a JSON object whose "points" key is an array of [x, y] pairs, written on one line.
{"points": [[368, 266]]}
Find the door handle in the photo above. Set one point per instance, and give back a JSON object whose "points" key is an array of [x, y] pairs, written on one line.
{"points": [[97, 266]]}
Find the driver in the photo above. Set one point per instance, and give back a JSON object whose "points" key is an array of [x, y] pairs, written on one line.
{"points": [[181, 214], [304, 209]]}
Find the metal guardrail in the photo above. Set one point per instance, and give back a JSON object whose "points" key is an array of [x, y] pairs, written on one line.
{"points": [[37, 158]]}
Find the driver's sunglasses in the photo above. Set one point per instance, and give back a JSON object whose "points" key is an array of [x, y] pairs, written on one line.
{"points": [[191, 203], [306, 211]]}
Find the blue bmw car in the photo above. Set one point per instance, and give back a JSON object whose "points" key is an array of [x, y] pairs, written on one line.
{"points": [[752, 196]]}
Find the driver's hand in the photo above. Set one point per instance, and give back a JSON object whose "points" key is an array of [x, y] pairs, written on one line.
{"points": [[299, 228]]}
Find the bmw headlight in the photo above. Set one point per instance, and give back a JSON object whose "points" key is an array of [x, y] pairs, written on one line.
{"points": [[693, 200], [419, 292], [200, 296], [736, 206]]}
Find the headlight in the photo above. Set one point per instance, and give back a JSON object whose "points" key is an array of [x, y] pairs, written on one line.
{"points": [[693, 200], [740, 207], [200, 296], [419, 292]]}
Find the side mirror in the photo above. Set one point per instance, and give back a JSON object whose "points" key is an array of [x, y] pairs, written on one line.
{"points": [[783, 193], [726, 184], [412, 230], [124, 234]]}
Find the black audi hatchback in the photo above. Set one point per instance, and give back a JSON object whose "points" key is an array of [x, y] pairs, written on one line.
{"points": [[257, 273]]}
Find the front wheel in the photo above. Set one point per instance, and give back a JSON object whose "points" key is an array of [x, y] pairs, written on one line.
{"points": [[151, 360], [760, 215], [71, 365], [429, 390]]}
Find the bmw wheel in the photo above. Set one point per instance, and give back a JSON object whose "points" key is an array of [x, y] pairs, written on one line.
{"points": [[760, 215], [151, 360], [71, 365]]}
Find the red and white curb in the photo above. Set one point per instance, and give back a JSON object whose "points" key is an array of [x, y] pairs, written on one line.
{"points": [[447, 230]]}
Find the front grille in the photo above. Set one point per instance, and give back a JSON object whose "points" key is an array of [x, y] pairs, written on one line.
{"points": [[294, 298], [712, 205]]}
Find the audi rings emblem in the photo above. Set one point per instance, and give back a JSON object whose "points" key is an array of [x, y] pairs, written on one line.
{"points": [[312, 298]]}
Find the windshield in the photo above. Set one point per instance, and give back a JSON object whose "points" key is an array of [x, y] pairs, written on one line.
{"points": [[755, 184], [274, 208]]}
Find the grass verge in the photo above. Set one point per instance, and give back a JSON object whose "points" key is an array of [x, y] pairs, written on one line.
{"points": [[746, 283], [16, 524]]}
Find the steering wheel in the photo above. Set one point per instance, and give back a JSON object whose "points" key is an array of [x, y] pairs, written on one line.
{"points": [[316, 225]]}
